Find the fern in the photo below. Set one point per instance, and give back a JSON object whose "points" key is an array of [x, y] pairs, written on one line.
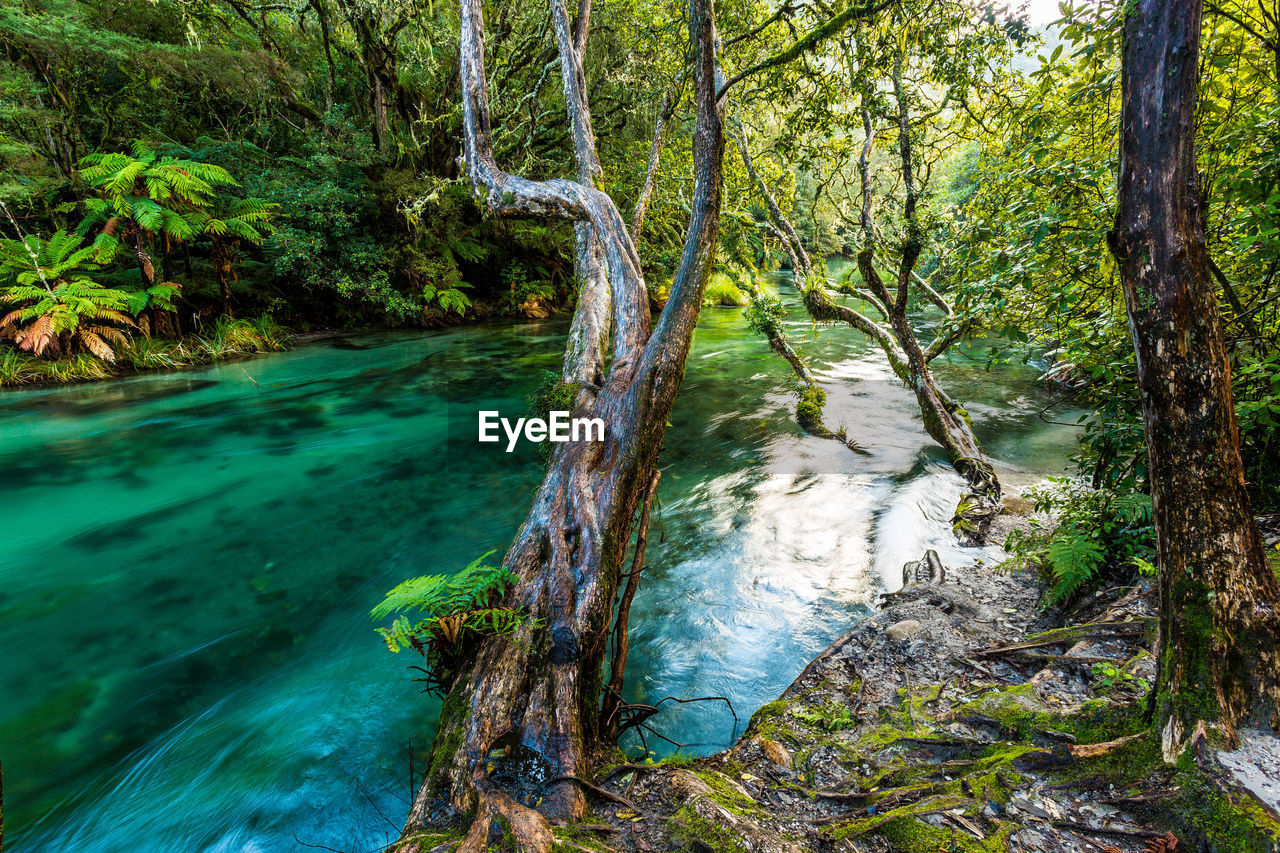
{"points": [[59, 309], [441, 595], [150, 194], [1133, 508], [1075, 559], [457, 609], [1099, 532]]}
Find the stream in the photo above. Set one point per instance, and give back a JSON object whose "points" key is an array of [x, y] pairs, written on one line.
{"points": [[187, 562]]}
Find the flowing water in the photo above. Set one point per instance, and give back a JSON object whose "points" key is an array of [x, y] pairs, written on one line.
{"points": [[187, 562]]}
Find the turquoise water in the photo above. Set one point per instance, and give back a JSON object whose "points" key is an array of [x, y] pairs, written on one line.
{"points": [[187, 562]]}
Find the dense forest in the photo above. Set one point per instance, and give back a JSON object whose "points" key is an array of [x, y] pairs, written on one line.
{"points": [[1095, 195]]}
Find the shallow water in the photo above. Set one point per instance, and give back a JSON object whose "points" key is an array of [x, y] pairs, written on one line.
{"points": [[187, 562]]}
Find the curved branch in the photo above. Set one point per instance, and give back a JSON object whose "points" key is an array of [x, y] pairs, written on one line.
{"points": [[795, 248], [584, 357], [869, 327], [810, 40], [510, 195]]}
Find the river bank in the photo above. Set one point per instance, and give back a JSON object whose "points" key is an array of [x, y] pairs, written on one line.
{"points": [[960, 717], [226, 340]]}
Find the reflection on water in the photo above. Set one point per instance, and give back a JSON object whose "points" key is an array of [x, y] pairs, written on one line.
{"points": [[187, 561]]}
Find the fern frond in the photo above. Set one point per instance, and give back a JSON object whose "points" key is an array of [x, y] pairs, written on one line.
{"points": [[442, 595], [1075, 559], [96, 345], [38, 337], [1133, 508]]}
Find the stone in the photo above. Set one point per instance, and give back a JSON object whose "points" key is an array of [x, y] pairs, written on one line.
{"points": [[899, 631]]}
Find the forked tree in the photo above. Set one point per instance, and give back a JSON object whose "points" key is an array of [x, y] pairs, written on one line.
{"points": [[539, 690], [889, 324], [1219, 602]]}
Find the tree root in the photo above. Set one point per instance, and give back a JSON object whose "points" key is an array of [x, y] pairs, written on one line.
{"points": [[1097, 750], [498, 814], [1089, 630], [599, 792]]}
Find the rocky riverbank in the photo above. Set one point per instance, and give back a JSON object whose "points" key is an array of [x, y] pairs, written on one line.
{"points": [[960, 717]]}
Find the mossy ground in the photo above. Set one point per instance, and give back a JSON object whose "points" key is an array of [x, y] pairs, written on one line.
{"points": [[889, 755]]}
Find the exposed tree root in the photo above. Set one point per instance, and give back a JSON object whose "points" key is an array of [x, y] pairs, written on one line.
{"points": [[499, 815]]}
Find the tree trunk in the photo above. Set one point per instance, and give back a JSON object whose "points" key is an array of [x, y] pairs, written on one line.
{"points": [[1219, 603], [538, 692], [670, 100], [221, 258]]}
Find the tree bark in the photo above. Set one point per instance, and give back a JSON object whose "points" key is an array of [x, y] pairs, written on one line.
{"points": [[1219, 603], [540, 689], [589, 331]]}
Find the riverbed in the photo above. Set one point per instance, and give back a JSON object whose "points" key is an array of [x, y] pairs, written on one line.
{"points": [[187, 562]]}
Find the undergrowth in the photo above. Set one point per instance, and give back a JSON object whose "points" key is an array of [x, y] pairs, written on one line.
{"points": [[225, 339], [1099, 533], [723, 291]]}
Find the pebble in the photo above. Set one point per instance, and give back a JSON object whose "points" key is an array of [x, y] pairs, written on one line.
{"points": [[899, 631]]}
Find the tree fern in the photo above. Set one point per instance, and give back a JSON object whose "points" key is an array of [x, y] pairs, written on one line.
{"points": [[59, 309], [147, 194]]}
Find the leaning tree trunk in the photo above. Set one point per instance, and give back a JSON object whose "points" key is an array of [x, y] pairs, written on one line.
{"points": [[1219, 603], [538, 691], [766, 315], [945, 420]]}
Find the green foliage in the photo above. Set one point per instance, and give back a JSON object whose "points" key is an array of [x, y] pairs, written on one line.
{"points": [[60, 309], [552, 394], [525, 287], [457, 609], [723, 291], [809, 410], [17, 368], [1098, 532], [765, 313], [230, 337], [1034, 197], [159, 194], [833, 717]]}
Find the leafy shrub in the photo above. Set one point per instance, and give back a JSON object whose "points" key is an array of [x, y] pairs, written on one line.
{"points": [[457, 611], [1098, 532], [525, 289], [765, 313]]}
